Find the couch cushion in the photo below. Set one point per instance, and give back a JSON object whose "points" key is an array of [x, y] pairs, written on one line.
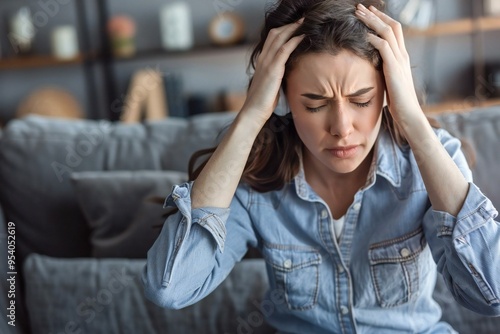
{"points": [[106, 296], [481, 129], [37, 156], [460, 318], [116, 204]]}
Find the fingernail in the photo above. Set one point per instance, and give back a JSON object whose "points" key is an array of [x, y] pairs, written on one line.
{"points": [[360, 13], [373, 8], [361, 6], [301, 20]]}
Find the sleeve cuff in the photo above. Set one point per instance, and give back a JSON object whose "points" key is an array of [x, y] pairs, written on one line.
{"points": [[476, 211], [211, 218]]}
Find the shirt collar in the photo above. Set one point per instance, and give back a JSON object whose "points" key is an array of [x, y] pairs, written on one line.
{"points": [[385, 163]]}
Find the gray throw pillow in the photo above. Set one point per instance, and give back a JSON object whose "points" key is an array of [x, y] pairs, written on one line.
{"points": [[117, 205], [85, 295]]}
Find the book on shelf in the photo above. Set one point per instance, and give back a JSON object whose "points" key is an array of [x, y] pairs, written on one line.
{"points": [[174, 92]]}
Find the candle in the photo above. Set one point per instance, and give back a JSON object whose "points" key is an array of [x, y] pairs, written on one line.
{"points": [[64, 42], [176, 26]]}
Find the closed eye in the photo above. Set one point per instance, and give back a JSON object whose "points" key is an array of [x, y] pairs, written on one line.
{"points": [[362, 104], [316, 109]]}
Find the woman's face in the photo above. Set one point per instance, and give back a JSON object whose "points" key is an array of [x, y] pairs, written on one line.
{"points": [[336, 103]]}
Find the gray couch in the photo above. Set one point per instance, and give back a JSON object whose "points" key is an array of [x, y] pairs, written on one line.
{"points": [[80, 196]]}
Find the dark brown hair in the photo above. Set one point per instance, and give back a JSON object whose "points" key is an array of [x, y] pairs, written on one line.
{"points": [[329, 26]]}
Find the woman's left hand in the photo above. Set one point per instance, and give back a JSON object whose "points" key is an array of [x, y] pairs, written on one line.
{"points": [[401, 96]]}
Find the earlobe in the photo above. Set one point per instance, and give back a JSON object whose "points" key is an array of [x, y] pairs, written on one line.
{"points": [[282, 108]]}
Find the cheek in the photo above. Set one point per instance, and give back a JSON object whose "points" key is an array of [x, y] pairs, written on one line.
{"points": [[373, 123], [307, 127]]}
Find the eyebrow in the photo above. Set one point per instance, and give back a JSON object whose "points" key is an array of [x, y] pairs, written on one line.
{"points": [[320, 97]]}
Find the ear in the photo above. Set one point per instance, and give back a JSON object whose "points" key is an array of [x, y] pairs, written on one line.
{"points": [[282, 107]]}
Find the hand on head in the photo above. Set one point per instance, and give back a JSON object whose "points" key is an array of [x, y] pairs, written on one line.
{"points": [[389, 41]]}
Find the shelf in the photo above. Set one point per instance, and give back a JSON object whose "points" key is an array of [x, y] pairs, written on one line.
{"points": [[194, 52], [457, 27], [458, 105], [37, 62]]}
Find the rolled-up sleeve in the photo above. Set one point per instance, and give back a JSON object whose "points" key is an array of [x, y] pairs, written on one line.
{"points": [[466, 248], [196, 249]]}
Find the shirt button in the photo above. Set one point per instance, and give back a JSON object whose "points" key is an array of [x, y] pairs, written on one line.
{"points": [[356, 206], [324, 214], [340, 268], [287, 263], [344, 310], [405, 252]]}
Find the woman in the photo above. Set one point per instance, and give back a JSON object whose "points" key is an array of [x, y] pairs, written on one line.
{"points": [[351, 204]]}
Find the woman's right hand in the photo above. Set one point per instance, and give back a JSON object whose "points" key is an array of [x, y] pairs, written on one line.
{"points": [[262, 95]]}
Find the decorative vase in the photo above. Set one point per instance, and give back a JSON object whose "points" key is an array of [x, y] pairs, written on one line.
{"points": [[64, 42], [121, 30], [176, 26], [22, 31]]}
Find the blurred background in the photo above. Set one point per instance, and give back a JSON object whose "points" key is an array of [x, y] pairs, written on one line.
{"points": [[129, 60]]}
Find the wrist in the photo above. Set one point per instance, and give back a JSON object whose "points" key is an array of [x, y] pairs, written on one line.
{"points": [[418, 131], [413, 124], [249, 122]]}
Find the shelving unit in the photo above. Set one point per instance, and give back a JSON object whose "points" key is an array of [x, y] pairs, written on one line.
{"points": [[458, 27], [475, 26], [195, 51], [107, 72], [29, 62], [85, 59], [458, 105]]}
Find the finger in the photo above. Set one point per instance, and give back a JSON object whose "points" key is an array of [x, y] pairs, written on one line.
{"points": [[384, 30], [395, 25], [286, 49], [277, 37], [382, 45]]}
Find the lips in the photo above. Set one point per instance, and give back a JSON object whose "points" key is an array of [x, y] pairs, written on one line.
{"points": [[344, 152]]}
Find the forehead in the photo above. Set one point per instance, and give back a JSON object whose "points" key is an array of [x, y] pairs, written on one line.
{"points": [[342, 71]]}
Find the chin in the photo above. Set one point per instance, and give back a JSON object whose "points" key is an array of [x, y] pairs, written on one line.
{"points": [[344, 167]]}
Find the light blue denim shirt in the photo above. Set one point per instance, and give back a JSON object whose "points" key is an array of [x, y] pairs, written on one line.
{"points": [[377, 278]]}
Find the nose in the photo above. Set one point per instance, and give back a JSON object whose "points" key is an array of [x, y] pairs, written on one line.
{"points": [[340, 121]]}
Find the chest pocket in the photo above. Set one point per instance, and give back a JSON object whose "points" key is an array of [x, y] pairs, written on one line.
{"points": [[296, 274], [395, 269]]}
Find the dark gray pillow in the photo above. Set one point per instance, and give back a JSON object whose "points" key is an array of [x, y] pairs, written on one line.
{"points": [[124, 222], [86, 295]]}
